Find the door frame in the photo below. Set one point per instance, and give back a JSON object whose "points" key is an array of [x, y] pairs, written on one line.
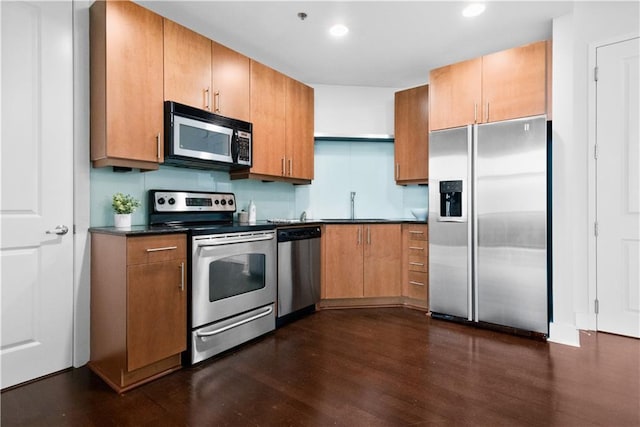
{"points": [[81, 185], [592, 199]]}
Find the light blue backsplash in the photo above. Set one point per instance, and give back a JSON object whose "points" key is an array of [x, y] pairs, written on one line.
{"points": [[366, 167], [272, 199], [340, 167]]}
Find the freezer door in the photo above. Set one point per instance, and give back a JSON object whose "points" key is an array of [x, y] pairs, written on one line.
{"points": [[449, 225], [511, 216]]}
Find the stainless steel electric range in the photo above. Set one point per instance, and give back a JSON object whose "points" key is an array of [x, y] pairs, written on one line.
{"points": [[232, 269]]}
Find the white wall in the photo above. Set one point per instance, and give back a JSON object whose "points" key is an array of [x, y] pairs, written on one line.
{"points": [[573, 37]]}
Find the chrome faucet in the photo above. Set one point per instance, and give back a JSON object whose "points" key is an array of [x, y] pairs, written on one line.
{"points": [[353, 201]]}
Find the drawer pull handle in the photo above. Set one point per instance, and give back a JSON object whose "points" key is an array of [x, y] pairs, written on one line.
{"points": [[416, 248], [416, 283], [416, 232], [166, 248], [420, 264]]}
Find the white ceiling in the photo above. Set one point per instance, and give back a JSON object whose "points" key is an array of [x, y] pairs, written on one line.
{"points": [[390, 43]]}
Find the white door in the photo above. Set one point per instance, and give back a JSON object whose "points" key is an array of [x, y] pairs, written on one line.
{"points": [[36, 160], [618, 187]]}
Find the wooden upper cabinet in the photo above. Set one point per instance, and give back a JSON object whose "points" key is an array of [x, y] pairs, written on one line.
{"points": [[187, 66], [282, 117], [455, 94], [204, 74], [504, 85], [126, 85], [231, 82], [514, 82], [412, 135], [268, 118], [299, 124]]}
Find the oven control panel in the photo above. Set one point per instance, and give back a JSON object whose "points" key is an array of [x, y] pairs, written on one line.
{"points": [[183, 201]]}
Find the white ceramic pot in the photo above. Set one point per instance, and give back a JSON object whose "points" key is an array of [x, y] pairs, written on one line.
{"points": [[122, 220]]}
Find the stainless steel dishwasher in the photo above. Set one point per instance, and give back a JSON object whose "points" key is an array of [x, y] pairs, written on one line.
{"points": [[298, 272]]}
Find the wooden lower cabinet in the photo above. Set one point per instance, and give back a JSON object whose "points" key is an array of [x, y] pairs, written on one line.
{"points": [[415, 264], [343, 261], [138, 307], [361, 261]]}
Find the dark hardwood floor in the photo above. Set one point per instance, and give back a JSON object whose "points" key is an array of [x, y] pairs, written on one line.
{"points": [[362, 367]]}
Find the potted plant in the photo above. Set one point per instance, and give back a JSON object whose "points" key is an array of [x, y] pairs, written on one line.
{"points": [[123, 206]]}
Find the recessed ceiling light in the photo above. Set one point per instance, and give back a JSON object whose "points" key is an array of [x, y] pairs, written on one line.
{"points": [[474, 9], [338, 30]]}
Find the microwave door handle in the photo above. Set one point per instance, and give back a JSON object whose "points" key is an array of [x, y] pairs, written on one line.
{"points": [[235, 147]]}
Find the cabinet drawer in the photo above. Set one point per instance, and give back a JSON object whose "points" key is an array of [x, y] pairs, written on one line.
{"points": [[417, 232], [157, 248], [418, 248], [417, 285], [418, 263]]}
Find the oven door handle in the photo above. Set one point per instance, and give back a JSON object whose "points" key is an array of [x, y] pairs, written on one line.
{"points": [[230, 240], [265, 312]]}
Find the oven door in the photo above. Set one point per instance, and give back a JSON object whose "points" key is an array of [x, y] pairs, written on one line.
{"points": [[232, 274]]}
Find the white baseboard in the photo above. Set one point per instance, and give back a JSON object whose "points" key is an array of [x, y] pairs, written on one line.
{"points": [[564, 333]]}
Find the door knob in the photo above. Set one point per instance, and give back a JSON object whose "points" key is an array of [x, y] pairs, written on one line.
{"points": [[60, 230]]}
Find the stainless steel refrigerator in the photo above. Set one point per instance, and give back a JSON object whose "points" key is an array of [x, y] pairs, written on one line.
{"points": [[488, 228]]}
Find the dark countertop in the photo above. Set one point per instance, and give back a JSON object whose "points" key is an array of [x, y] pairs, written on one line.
{"points": [[372, 221], [137, 230], [142, 230]]}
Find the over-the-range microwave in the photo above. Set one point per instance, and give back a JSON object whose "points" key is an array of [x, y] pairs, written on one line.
{"points": [[199, 139]]}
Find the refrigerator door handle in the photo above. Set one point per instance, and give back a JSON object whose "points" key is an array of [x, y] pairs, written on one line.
{"points": [[471, 315], [474, 221]]}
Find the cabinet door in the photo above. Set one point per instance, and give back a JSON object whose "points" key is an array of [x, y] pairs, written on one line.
{"points": [[231, 79], [156, 312], [299, 130], [382, 260], [343, 262], [412, 135], [126, 85], [514, 82], [455, 94], [268, 116], [187, 66]]}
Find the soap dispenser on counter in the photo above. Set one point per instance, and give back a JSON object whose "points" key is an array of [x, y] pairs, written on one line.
{"points": [[252, 212]]}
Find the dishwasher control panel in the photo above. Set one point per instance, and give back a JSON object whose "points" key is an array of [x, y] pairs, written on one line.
{"points": [[299, 233]]}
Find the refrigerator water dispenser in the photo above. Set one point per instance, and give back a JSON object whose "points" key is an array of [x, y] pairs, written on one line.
{"points": [[450, 199]]}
